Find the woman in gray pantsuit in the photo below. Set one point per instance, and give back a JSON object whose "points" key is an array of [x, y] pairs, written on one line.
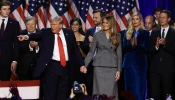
{"points": [[107, 58]]}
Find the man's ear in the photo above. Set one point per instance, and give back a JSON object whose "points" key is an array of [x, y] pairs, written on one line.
{"points": [[61, 25], [169, 19]]}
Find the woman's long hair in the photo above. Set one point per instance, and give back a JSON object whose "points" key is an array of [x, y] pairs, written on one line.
{"points": [[131, 26], [113, 30], [80, 23]]}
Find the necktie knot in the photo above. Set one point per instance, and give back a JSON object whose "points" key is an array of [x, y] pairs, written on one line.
{"points": [[3, 20]]}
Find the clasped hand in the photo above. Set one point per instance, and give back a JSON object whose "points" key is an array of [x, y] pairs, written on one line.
{"points": [[83, 69], [160, 41], [133, 41]]}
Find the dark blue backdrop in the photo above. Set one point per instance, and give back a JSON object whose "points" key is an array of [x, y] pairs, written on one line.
{"points": [[147, 6]]}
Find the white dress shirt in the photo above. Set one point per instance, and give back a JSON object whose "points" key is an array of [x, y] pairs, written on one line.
{"points": [[97, 29], [165, 32], [56, 54], [5, 21], [150, 32]]}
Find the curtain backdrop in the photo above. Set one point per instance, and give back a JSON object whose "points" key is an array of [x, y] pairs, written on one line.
{"points": [[147, 6]]}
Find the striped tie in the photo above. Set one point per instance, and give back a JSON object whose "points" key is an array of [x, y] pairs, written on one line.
{"points": [[2, 27]]}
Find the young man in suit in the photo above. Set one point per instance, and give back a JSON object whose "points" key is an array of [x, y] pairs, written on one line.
{"points": [[97, 18], [59, 48], [162, 50], [9, 30], [156, 13], [29, 51]]}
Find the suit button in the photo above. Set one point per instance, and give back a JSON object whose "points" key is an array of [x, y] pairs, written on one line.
{"points": [[46, 64], [111, 47]]}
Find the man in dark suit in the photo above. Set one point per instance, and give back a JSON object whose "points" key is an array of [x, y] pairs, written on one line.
{"points": [[29, 51], [58, 49], [162, 50], [97, 18], [9, 30]]}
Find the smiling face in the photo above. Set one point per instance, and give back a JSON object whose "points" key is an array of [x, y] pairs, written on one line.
{"points": [[75, 26], [5, 11], [136, 21], [106, 25], [97, 18]]}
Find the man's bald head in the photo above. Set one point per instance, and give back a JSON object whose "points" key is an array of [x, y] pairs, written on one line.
{"points": [[149, 22]]}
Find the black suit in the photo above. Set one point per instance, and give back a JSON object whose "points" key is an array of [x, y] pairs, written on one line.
{"points": [[9, 48], [27, 59], [162, 66], [55, 77]]}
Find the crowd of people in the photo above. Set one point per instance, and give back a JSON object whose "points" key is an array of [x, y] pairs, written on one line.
{"points": [[57, 56]]}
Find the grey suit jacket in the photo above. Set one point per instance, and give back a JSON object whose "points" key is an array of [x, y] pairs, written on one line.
{"points": [[107, 54]]}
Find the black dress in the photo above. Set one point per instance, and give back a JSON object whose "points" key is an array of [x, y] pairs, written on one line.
{"points": [[76, 74]]}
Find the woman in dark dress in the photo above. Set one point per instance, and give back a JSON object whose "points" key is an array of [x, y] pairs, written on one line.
{"points": [[76, 27]]}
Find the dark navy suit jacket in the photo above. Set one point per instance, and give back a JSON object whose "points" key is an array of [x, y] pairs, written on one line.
{"points": [[9, 43], [90, 32], [47, 38]]}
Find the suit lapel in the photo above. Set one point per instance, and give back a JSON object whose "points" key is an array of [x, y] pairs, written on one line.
{"points": [[159, 33], [168, 35], [104, 39], [93, 30], [66, 35], [8, 26], [9, 22]]}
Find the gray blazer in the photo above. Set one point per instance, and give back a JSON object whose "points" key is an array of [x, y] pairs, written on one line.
{"points": [[107, 54]]}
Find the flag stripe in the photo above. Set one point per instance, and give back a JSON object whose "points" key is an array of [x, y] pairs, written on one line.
{"points": [[122, 10]]}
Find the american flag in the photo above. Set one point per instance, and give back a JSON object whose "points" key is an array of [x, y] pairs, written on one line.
{"points": [[68, 9], [17, 12]]}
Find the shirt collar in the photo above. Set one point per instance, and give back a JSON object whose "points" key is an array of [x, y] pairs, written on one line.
{"points": [[60, 33], [32, 32], [6, 18], [166, 29]]}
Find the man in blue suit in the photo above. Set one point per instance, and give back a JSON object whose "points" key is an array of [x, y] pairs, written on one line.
{"points": [[58, 49], [97, 18], [9, 30]]}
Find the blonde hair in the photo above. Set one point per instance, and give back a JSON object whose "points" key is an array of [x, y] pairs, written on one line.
{"points": [[113, 30], [131, 27]]}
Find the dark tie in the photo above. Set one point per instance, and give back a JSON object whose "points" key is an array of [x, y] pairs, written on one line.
{"points": [[2, 27], [61, 51], [163, 33], [34, 50]]}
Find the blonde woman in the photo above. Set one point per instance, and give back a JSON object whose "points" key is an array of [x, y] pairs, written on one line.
{"points": [[135, 47], [107, 60]]}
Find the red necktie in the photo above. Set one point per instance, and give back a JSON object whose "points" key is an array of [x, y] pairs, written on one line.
{"points": [[61, 51], [2, 27]]}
